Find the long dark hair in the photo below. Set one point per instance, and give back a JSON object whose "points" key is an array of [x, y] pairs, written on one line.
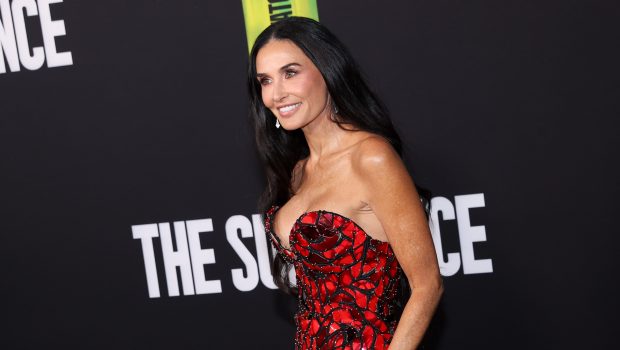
{"points": [[357, 105]]}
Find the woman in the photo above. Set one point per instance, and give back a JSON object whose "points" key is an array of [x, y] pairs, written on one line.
{"points": [[340, 205]]}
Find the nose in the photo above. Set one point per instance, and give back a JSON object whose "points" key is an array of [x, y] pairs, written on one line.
{"points": [[279, 92]]}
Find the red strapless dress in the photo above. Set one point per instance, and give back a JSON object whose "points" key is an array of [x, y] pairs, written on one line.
{"points": [[347, 282]]}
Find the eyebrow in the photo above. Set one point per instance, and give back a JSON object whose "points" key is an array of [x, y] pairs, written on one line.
{"points": [[283, 68]]}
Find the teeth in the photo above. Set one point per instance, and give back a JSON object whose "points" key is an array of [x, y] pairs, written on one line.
{"points": [[289, 108]]}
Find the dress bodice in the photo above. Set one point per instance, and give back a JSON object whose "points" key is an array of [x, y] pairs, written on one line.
{"points": [[347, 282]]}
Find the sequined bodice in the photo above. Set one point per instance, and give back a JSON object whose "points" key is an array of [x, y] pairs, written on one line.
{"points": [[347, 282]]}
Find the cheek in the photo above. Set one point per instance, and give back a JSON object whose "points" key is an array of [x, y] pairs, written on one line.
{"points": [[315, 85], [305, 87]]}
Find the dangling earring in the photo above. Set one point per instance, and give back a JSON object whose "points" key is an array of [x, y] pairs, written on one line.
{"points": [[331, 102], [277, 123]]}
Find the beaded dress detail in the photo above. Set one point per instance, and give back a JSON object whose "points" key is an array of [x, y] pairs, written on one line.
{"points": [[347, 282]]}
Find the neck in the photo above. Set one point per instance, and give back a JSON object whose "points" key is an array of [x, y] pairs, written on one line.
{"points": [[324, 137]]}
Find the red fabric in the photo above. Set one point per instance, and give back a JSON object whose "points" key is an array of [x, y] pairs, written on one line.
{"points": [[347, 282]]}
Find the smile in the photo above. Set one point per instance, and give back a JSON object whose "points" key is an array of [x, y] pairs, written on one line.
{"points": [[286, 110]]}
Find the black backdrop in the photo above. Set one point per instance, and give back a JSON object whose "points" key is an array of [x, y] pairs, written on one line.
{"points": [[514, 102]]}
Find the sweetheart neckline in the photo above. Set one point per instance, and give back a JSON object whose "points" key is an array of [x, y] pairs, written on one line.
{"points": [[300, 217]]}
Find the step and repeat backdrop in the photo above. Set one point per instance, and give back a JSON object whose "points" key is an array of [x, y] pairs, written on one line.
{"points": [[129, 177]]}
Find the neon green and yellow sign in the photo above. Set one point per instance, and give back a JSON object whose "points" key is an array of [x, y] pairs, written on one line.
{"points": [[259, 14]]}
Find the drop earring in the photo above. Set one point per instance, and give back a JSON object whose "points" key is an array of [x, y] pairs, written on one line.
{"points": [[277, 123], [331, 102]]}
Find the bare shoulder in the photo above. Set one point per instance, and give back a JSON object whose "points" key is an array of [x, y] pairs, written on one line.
{"points": [[381, 171], [374, 153]]}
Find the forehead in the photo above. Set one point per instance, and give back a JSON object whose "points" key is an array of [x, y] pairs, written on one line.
{"points": [[277, 53]]}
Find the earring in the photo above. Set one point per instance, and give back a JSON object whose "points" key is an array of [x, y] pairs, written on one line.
{"points": [[331, 102], [277, 123]]}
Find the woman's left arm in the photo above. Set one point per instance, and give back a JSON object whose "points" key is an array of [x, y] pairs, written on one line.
{"points": [[392, 196]]}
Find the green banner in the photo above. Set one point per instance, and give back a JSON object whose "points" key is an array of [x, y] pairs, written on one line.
{"points": [[259, 14]]}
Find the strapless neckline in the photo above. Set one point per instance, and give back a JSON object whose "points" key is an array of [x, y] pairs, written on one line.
{"points": [[275, 208]]}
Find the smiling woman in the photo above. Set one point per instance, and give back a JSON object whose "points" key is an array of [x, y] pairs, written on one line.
{"points": [[340, 206], [291, 85]]}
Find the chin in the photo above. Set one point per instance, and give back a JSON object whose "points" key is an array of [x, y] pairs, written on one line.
{"points": [[290, 127]]}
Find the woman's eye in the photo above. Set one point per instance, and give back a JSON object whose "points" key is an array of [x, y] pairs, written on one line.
{"points": [[264, 81], [290, 73]]}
